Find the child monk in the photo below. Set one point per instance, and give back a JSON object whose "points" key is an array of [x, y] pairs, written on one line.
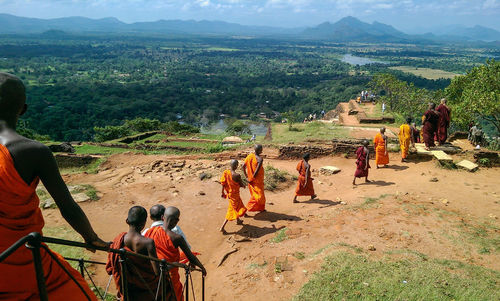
{"points": [[142, 275], [304, 184], [231, 182], [362, 162], [380, 142]]}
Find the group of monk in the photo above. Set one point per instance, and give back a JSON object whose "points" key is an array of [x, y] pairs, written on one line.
{"points": [[435, 123]]}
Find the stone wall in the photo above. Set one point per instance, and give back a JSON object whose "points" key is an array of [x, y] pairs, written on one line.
{"points": [[71, 160], [346, 147]]}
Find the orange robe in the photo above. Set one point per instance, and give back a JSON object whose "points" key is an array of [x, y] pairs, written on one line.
{"points": [[301, 190], [19, 216], [404, 139], [255, 185], [381, 158], [236, 208], [165, 249], [137, 289]]}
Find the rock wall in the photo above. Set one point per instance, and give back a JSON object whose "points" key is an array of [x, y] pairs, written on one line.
{"points": [[68, 160], [347, 147]]}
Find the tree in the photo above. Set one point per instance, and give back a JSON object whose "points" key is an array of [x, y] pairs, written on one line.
{"points": [[238, 127], [476, 95], [292, 117]]}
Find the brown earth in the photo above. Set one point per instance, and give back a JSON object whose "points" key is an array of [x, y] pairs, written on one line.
{"points": [[406, 212]]}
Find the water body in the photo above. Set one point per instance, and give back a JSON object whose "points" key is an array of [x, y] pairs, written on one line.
{"points": [[219, 127], [357, 60]]}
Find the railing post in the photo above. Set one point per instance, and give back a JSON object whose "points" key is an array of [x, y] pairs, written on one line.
{"points": [[203, 287], [81, 265], [187, 284], [164, 278], [34, 245], [124, 282]]}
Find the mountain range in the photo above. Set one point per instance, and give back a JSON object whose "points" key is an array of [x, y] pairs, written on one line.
{"points": [[345, 30]]}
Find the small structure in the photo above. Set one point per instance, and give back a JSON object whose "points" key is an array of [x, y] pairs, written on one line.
{"points": [[232, 140], [468, 165], [330, 170]]}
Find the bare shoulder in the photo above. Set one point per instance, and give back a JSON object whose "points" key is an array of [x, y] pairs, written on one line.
{"points": [[236, 176], [23, 147]]}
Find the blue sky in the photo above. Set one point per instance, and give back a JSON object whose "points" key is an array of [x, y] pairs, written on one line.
{"points": [[408, 15]]}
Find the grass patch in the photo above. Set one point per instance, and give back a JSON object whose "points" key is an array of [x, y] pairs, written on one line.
{"points": [[299, 255], [447, 165], [87, 149], [274, 177], [65, 251], [280, 236], [426, 72], [346, 276], [255, 266], [91, 168], [306, 131], [371, 202]]}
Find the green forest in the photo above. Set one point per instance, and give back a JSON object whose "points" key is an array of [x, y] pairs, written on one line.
{"points": [[77, 83]]}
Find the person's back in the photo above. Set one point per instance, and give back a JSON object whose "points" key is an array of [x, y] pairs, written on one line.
{"points": [[23, 163]]}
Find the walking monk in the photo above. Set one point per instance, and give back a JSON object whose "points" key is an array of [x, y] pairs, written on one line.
{"points": [[430, 123], [23, 163], [405, 139], [231, 182], [142, 275], [362, 162], [254, 172], [168, 244], [443, 121], [305, 184], [380, 142]]}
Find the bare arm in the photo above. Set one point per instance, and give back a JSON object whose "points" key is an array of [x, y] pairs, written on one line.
{"points": [[48, 172], [244, 169], [181, 243], [237, 178], [307, 174], [385, 144], [259, 166], [152, 253]]}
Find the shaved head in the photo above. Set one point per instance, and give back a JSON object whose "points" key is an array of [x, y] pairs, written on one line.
{"points": [[137, 216], [156, 212], [12, 96], [443, 100], [258, 148], [171, 217], [365, 142], [233, 164], [382, 129]]}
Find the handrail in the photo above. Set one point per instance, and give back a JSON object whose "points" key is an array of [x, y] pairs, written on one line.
{"points": [[33, 242]]}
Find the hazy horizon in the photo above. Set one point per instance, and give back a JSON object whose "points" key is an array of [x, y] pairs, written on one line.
{"points": [[407, 15]]}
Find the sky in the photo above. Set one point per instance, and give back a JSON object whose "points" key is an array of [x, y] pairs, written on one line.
{"points": [[412, 16]]}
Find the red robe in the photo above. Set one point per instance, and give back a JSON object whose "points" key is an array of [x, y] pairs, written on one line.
{"points": [[137, 289], [430, 127], [308, 189], [19, 216], [255, 185], [165, 249], [443, 123], [362, 160]]}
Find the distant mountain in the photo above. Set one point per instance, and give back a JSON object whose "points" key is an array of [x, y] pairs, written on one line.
{"points": [[352, 29]]}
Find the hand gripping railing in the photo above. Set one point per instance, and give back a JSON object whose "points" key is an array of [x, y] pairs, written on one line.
{"points": [[33, 241]]}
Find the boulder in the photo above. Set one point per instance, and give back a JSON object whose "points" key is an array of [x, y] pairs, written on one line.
{"points": [[81, 197], [468, 165], [232, 140], [331, 170], [64, 147]]}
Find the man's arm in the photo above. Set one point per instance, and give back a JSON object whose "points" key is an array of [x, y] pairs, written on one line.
{"points": [[244, 169], [237, 178], [152, 253], [307, 174], [48, 172], [181, 243], [259, 166]]}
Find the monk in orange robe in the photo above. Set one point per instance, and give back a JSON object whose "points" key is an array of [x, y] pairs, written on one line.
{"points": [[23, 163], [405, 139], [254, 172], [142, 275], [380, 142], [231, 182], [304, 184], [167, 247]]}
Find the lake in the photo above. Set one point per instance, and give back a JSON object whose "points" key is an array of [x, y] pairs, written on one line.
{"points": [[357, 60]]}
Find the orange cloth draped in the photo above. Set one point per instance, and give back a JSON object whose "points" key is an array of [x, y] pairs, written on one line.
{"points": [[255, 185], [404, 139], [301, 190], [165, 249], [381, 158], [19, 216], [137, 289], [236, 208]]}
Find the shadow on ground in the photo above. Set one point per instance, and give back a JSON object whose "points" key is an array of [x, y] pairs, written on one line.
{"points": [[252, 231], [326, 203], [274, 217]]}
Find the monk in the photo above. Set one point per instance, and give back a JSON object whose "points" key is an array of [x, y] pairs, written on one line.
{"points": [[405, 139], [305, 184], [443, 121], [167, 247], [415, 133], [362, 162], [142, 275], [430, 122], [231, 182], [23, 163], [254, 172], [380, 142], [156, 213]]}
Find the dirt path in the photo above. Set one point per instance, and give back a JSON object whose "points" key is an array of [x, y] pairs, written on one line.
{"points": [[400, 210]]}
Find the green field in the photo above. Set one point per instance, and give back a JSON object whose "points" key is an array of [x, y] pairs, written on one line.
{"points": [[426, 72], [301, 132]]}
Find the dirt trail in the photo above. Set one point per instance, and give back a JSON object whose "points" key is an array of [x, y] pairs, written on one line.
{"points": [[406, 211]]}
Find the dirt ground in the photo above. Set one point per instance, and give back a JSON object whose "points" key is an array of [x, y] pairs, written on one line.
{"points": [[402, 209]]}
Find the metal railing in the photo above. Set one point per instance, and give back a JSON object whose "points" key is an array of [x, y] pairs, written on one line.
{"points": [[34, 241]]}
